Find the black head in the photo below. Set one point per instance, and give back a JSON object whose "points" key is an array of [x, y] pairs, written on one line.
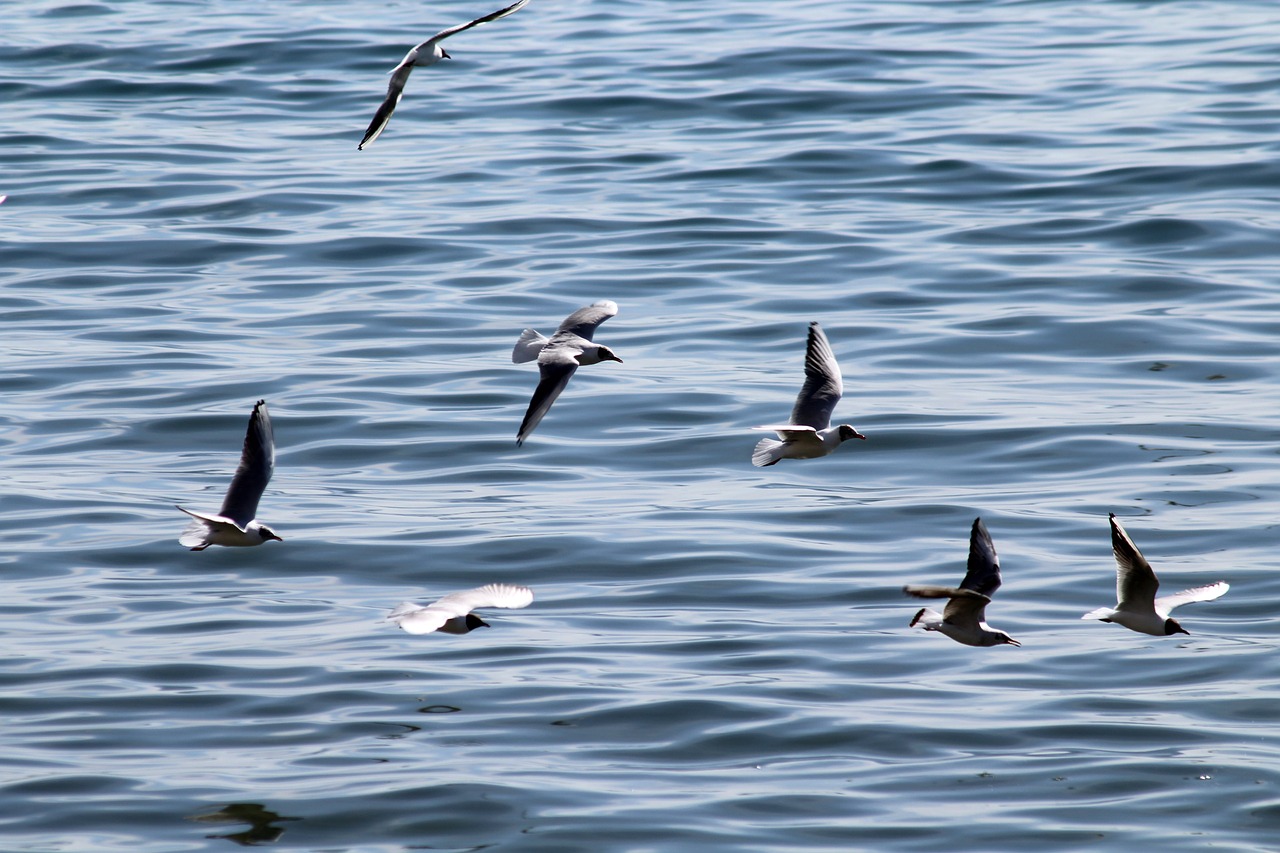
{"points": [[268, 534], [606, 354], [474, 621], [1171, 626], [847, 432]]}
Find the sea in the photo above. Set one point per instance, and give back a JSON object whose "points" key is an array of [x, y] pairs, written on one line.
{"points": [[1042, 236]]}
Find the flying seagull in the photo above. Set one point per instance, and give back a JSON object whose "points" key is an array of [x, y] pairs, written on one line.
{"points": [[452, 614], [964, 617], [235, 523], [810, 434], [559, 356], [1137, 608], [428, 53]]}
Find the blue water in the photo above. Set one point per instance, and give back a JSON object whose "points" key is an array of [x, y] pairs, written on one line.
{"points": [[1043, 238]]}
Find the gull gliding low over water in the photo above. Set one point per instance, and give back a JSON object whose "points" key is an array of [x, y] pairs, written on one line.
{"points": [[559, 356], [1137, 607], [964, 617], [452, 614], [235, 524], [810, 434], [428, 52]]}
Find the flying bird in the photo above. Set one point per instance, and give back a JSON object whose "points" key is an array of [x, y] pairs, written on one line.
{"points": [[810, 434], [1137, 607], [235, 523], [452, 614], [428, 53], [964, 617], [559, 356]]}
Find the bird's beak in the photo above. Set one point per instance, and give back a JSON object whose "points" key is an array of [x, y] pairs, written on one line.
{"points": [[275, 537], [861, 436], [1011, 641]]}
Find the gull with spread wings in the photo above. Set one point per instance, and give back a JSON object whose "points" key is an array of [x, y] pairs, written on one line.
{"points": [[810, 434], [1137, 607], [964, 617], [452, 614], [428, 53], [235, 524], [559, 356]]}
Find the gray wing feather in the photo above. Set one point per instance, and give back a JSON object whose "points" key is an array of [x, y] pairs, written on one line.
{"points": [[822, 385], [395, 89], [584, 321], [257, 462], [555, 376]]}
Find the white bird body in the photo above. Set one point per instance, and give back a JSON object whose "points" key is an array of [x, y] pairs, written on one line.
{"points": [[1137, 607], [810, 434], [234, 524], [421, 55], [452, 613], [559, 356], [964, 617]]}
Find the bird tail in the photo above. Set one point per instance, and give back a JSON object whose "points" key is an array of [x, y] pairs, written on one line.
{"points": [[927, 619], [195, 535], [528, 347], [767, 452]]}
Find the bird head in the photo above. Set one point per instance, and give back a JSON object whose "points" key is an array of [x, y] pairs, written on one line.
{"points": [[1005, 640], [1171, 626], [267, 533], [847, 432], [474, 621]]}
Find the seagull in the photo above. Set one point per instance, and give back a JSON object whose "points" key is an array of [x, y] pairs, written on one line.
{"points": [[452, 614], [559, 356], [428, 53], [963, 619], [1138, 609], [235, 523], [810, 434]]}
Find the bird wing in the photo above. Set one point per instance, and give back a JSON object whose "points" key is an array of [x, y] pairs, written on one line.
{"points": [[965, 607], [492, 16], [394, 90], [417, 619], [1200, 593], [983, 574], [1136, 582], [822, 384], [257, 461], [788, 431], [583, 322], [556, 365], [528, 347]]}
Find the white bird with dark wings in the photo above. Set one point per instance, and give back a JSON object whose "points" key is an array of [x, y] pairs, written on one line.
{"points": [[810, 434], [964, 617], [559, 356], [1137, 607], [235, 524], [428, 52]]}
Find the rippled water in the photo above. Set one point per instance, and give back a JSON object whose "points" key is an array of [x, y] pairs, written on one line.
{"points": [[1042, 237]]}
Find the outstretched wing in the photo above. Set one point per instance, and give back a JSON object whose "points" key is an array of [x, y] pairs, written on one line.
{"points": [[492, 16], [395, 90], [555, 368], [983, 574], [1136, 582], [583, 322], [1201, 593], [257, 462], [822, 385]]}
